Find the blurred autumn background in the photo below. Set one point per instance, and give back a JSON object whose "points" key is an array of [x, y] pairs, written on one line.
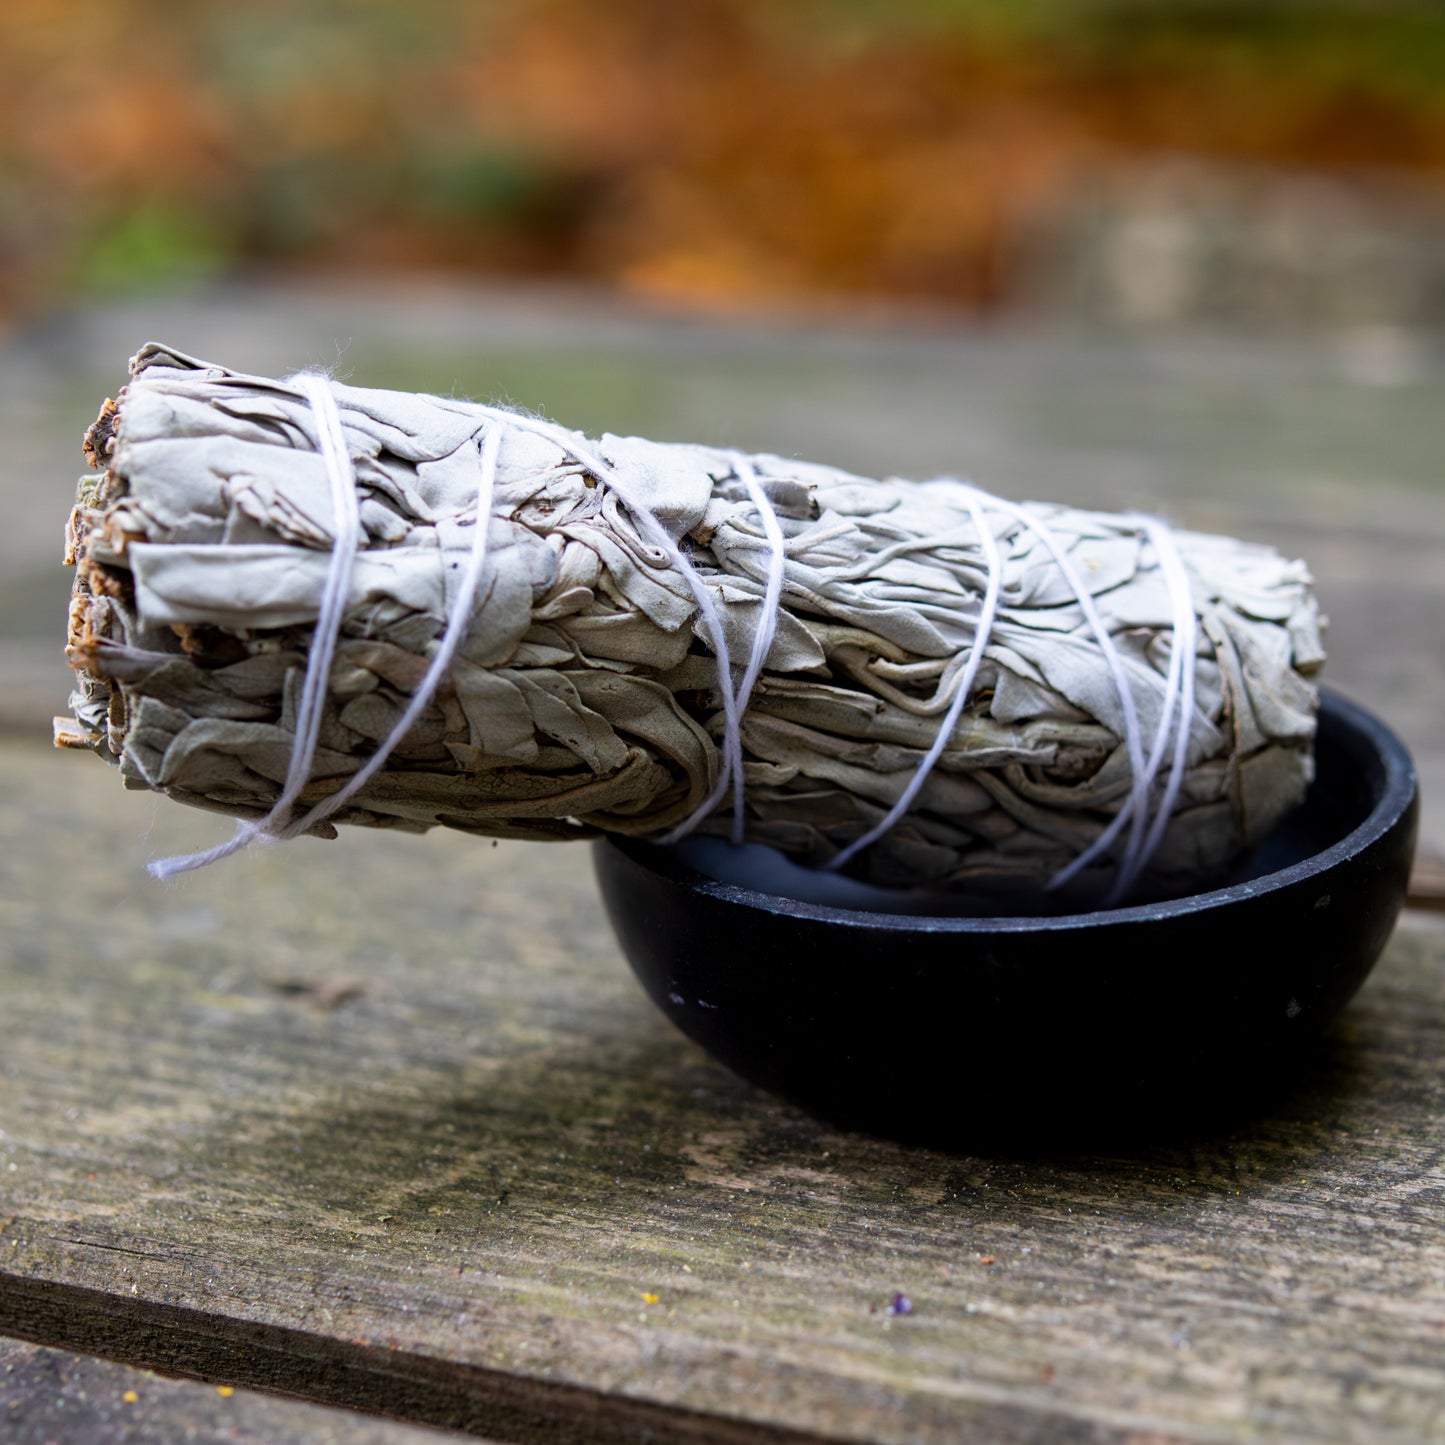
{"points": [[1126, 160]]}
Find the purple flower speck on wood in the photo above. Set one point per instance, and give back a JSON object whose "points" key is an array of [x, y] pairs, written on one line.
{"points": [[901, 1305]]}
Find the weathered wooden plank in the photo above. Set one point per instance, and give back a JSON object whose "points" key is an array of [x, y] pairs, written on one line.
{"points": [[49, 1395], [467, 1182], [383, 1122]]}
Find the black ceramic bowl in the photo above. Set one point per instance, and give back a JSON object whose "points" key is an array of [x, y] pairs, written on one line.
{"points": [[1015, 1030]]}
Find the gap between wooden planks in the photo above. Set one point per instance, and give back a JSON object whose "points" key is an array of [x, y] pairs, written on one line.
{"points": [[407, 1386]]}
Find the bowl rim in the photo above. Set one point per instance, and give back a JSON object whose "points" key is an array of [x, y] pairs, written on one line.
{"points": [[1396, 796]]}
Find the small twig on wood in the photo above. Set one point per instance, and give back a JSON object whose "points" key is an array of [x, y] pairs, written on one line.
{"points": [[326, 994], [1427, 885]]}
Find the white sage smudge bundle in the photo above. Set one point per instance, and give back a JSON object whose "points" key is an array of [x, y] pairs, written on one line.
{"points": [[304, 603]]}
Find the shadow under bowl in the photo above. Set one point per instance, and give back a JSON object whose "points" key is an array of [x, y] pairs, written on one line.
{"points": [[1020, 1032]]}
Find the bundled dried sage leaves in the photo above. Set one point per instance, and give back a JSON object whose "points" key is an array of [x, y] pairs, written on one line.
{"points": [[585, 697]]}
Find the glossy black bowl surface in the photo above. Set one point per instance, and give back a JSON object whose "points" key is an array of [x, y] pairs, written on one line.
{"points": [[973, 1030]]}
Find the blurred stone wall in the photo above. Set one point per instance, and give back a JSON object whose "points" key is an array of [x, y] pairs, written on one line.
{"points": [[1186, 242]]}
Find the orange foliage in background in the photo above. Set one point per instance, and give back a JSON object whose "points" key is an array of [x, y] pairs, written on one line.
{"points": [[716, 150]]}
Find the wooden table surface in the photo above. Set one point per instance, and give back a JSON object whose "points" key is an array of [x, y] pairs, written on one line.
{"points": [[384, 1124]]}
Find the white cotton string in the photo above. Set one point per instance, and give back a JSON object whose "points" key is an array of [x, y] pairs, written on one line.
{"points": [[767, 627], [459, 618], [983, 627], [731, 773], [1183, 644], [1139, 787], [1175, 713], [346, 537], [658, 535], [733, 702]]}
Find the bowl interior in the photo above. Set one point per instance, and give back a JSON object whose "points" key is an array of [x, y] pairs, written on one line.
{"points": [[1365, 783]]}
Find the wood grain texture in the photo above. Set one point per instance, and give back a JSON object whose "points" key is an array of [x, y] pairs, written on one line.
{"points": [[384, 1121], [49, 1395]]}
